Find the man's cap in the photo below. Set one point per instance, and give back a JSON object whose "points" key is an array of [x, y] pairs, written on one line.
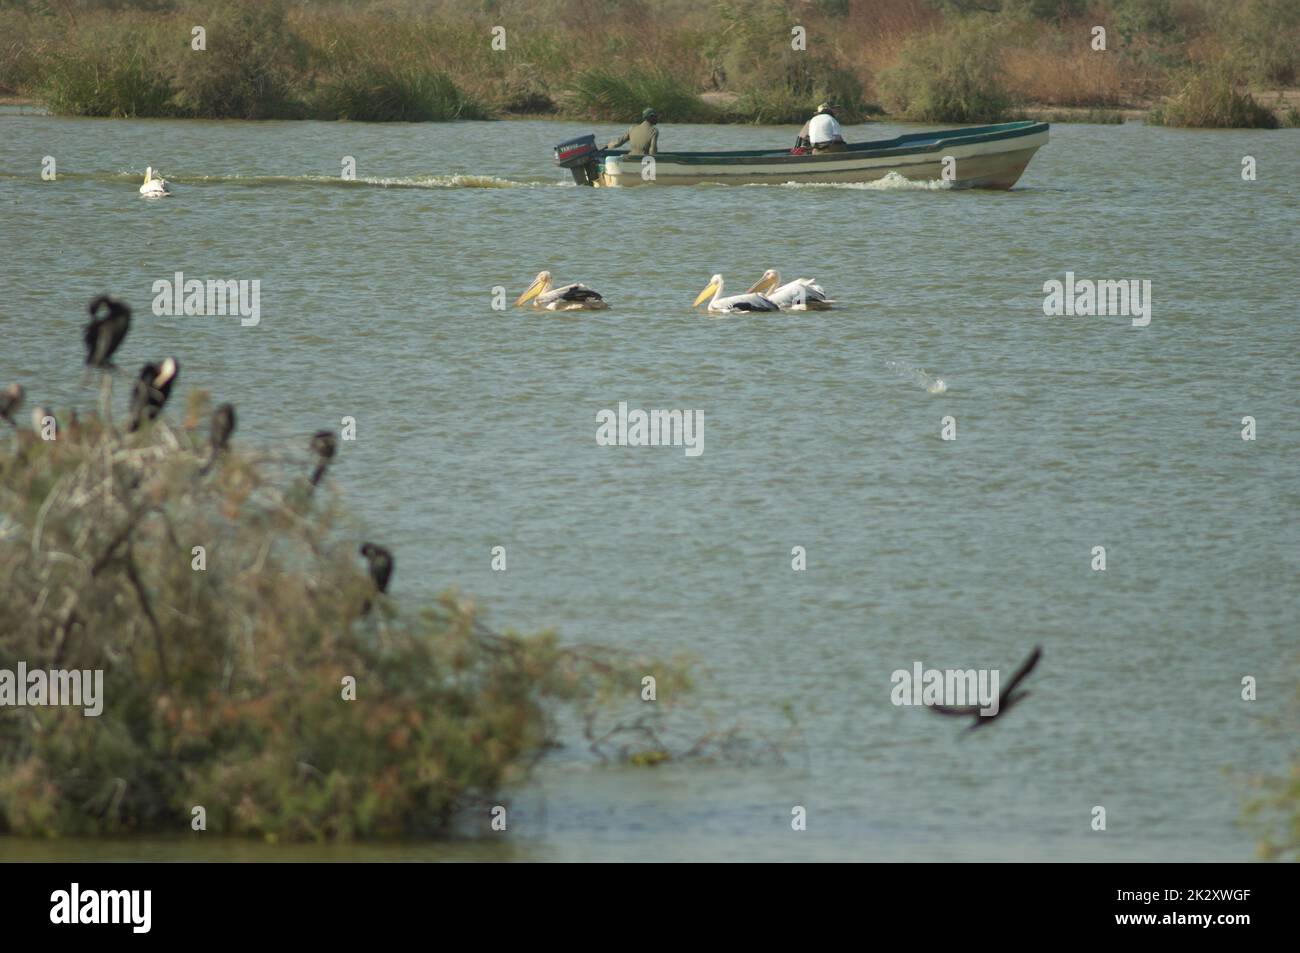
{"points": [[826, 107], [648, 112]]}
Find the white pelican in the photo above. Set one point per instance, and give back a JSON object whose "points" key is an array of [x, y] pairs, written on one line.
{"points": [[802, 294], [154, 185], [574, 297], [749, 301]]}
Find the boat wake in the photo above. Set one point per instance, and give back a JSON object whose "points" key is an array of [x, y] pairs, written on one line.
{"points": [[383, 182], [932, 384], [298, 181], [891, 182]]}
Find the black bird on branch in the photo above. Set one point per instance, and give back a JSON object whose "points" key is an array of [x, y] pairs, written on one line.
{"points": [[323, 444], [223, 425], [152, 389], [11, 398], [1006, 698], [110, 319], [380, 562]]}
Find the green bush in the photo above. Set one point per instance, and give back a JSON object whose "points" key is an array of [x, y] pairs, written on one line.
{"points": [[378, 92], [250, 67], [113, 75], [223, 686], [1211, 99], [951, 76], [618, 97]]}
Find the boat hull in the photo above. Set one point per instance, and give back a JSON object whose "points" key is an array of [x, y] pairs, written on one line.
{"points": [[983, 157]]}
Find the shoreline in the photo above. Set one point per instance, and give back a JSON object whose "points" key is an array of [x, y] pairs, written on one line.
{"points": [[1277, 100]]}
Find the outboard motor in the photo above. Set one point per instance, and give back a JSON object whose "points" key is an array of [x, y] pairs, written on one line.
{"points": [[579, 157]]}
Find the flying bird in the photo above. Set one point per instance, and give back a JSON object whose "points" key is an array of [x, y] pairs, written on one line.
{"points": [[11, 398], [152, 389], [223, 425], [323, 444], [1007, 698], [110, 319], [574, 297], [749, 301]]}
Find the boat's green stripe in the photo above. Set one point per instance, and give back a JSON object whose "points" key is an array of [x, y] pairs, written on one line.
{"points": [[909, 144]]}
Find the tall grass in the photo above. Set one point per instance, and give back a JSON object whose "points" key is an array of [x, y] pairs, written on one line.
{"points": [[1261, 39], [606, 95], [934, 60], [1213, 99], [379, 92], [225, 685], [109, 76], [1061, 75]]}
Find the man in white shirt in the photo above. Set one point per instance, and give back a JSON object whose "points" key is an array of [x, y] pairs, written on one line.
{"points": [[823, 131]]}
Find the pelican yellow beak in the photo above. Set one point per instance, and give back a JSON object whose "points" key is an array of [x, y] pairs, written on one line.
{"points": [[533, 291], [706, 294], [763, 285]]}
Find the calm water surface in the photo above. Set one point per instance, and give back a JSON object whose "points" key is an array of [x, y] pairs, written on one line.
{"points": [[476, 428]]}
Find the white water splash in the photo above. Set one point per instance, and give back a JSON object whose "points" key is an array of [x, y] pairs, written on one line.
{"points": [[931, 383], [890, 182]]}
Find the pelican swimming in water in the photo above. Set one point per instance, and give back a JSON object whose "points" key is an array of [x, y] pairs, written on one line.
{"points": [[802, 294], [574, 297], [749, 301], [155, 186]]}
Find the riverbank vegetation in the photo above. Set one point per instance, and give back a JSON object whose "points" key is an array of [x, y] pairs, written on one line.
{"points": [[723, 60], [1274, 812], [252, 666], [1272, 809]]}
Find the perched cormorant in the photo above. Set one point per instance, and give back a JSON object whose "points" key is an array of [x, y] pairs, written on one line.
{"points": [[152, 389], [106, 330], [1006, 698], [380, 561], [11, 398], [223, 425], [323, 444]]}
